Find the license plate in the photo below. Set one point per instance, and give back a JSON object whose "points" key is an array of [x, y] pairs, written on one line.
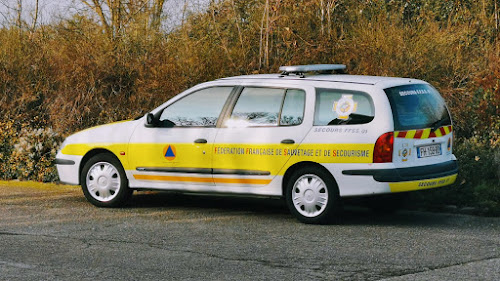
{"points": [[429, 150]]}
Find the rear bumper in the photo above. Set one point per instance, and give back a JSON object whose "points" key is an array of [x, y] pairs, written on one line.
{"points": [[440, 170]]}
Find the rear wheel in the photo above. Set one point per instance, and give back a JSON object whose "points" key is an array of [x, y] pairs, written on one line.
{"points": [[312, 196], [104, 182]]}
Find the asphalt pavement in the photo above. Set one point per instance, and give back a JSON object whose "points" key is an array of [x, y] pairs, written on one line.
{"points": [[50, 232]]}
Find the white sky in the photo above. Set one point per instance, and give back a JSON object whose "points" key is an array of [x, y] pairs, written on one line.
{"points": [[49, 10], [53, 10]]}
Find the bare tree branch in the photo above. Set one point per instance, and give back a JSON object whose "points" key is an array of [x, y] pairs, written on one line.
{"points": [[156, 14], [118, 14], [35, 16], [19, 13], [97, 8]]}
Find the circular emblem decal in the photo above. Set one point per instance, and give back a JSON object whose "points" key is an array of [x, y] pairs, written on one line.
{"points": [[169, 152], [345, 106]]}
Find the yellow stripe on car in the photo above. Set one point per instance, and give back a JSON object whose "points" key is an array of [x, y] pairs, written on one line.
{"points": [[410, 134], [447, 129], [422, 184], [426, 133], [268, 157]]}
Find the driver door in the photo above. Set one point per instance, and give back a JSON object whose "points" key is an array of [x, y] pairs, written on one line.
{"points": [[178, 157]]}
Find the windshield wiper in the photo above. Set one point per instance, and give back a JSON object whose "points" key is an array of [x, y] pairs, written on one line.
{"points": [[437, 124]]}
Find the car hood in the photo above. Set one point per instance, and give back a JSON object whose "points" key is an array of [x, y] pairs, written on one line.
{"points": [[118, 132]]}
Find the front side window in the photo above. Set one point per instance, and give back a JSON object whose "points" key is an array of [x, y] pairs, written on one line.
{"points": [[342, 107], [199, 109]]}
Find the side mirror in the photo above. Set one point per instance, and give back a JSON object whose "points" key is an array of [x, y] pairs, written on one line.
{"points": [[151, 120]]}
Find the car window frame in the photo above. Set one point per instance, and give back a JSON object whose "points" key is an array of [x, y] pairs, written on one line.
{"points": [[303, 108], [368, 96]]}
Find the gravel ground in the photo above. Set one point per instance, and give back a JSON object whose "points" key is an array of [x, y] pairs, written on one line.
{"points": [[50, 232]]}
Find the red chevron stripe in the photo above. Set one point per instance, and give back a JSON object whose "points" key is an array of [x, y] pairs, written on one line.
{"points": [[418, 134], [443, 132]]}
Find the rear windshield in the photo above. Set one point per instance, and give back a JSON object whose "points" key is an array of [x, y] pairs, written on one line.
{"points": [[417, 106]]}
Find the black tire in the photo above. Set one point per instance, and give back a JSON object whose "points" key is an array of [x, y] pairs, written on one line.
{"points": [[305, 203], [106, 177]]}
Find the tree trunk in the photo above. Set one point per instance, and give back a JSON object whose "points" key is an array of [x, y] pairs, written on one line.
{"points": [[19, 21]]}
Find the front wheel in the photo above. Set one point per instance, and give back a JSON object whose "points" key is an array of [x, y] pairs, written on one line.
{"points": [[104, 182], [312, 196]]}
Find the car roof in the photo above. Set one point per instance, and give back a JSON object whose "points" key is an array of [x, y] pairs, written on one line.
{"points": [[340, 78]]}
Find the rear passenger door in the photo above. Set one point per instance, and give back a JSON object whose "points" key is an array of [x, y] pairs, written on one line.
{"points": [[254, 140]]}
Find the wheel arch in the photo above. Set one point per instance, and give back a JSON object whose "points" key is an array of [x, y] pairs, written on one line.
{"points": [[291, 170], [92, 153]]}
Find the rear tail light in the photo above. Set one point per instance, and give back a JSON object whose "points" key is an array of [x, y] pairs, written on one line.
{"points": [[382, 153]]}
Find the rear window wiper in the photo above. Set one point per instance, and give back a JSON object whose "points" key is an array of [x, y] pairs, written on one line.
{"points": [[437, 124]]}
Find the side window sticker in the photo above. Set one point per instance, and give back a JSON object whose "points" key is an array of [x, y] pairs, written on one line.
{"points": [[345, 106]]}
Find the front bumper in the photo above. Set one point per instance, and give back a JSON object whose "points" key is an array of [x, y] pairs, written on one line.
{"points": [[68, 168]]}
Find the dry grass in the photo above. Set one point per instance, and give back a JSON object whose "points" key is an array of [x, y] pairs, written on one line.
{"points": [[14, 184]]}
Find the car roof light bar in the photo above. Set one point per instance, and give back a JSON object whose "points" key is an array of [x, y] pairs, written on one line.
{"points": [[301, 69]]}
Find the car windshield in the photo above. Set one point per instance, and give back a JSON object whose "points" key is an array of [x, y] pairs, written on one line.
{"points": [[417, 106]]}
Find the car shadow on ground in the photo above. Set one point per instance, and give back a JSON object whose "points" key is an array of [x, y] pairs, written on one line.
{"points": [[154, 199], [353, 213]]}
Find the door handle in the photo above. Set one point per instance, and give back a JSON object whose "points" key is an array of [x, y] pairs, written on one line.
{"points": [[200, 141], [288, 141]]}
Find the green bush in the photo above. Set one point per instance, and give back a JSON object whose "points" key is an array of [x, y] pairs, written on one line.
{"points": [[478, 181], [28, 154], [477, 160], [8, 136], [487, 198]]}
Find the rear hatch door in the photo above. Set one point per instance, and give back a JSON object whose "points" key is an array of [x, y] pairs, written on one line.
{"points": [[422, 125]]}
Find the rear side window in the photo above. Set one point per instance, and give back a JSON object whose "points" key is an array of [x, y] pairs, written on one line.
{"points": [[417, 107], [257, 107], [342, 107], [260, 106]]}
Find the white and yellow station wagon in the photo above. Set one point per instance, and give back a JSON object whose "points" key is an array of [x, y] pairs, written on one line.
{"points": [[303, 135]]}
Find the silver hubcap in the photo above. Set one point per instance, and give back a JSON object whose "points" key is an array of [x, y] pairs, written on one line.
{"points": [[310, 195], [103, 181]]}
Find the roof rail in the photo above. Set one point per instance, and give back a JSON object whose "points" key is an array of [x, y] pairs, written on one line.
{"points": [[321, 68]]}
